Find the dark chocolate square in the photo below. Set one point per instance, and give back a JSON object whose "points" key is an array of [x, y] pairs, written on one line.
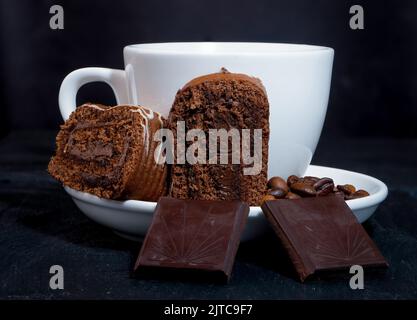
{"points": [[321, 234], [194, 235]]}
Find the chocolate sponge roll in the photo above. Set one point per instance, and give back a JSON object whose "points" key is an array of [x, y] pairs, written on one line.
{"points": [[109, 152], [221, 101]]}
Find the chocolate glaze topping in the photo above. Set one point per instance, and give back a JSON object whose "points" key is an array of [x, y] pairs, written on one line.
{"points": [[224, 75]]}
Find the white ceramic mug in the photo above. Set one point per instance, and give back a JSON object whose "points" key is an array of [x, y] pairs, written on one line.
{"points": [[296, 77]]}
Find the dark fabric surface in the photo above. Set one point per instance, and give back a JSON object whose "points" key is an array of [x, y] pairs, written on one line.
{"points": [[40, 226]]}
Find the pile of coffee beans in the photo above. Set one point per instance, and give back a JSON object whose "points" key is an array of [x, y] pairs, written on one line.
{"points": [[301, 187]]}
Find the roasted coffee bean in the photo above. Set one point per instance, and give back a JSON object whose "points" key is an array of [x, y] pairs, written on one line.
{"points": [[278, 182], [309, 186], [322, 182], [339, 194], [325, 189], [292, 196], [267, 197], [358, 194], [310, 180], [278, 193], [362, 193], [303, 189], [292, 179], [347, 189], [324, 186]]}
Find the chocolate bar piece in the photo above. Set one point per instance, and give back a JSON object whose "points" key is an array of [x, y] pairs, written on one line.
{"points": [[321, 234], [194, 235]]}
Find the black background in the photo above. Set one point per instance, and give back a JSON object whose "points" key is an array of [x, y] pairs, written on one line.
{"points": [[374, 86], [370, 128]]}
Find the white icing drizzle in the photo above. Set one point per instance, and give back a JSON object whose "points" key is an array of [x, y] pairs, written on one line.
{"points": [[145, 126], [98, 107], [94, 106], [145, 113], [149, 113]]}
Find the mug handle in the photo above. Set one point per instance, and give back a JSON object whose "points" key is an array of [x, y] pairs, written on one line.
{"points": [[116, 79]]}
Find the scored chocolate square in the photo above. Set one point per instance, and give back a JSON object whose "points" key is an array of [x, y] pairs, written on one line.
{"points": [[321, 234], [194, 234]]}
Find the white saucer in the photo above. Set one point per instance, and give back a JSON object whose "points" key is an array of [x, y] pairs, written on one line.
{"points": [[131, 218]]}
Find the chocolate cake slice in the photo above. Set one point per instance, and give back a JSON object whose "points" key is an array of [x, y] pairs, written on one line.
{"points": [[109, 152], [227, 101]]}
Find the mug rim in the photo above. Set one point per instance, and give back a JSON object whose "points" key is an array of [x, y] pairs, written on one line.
{"points": [[226, 48]]}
